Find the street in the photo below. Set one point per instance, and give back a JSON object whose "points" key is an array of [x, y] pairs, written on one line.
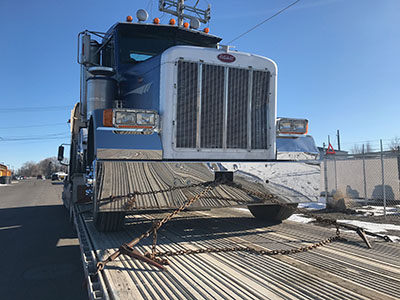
{"points": [[39, 248]]}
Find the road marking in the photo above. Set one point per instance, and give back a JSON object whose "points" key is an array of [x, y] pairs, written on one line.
{"points": [[10, 227], [68, 242]]}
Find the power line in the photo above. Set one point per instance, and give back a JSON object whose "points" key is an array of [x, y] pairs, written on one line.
{"points": [[34, 109], [266, 20], [29, 126], [33, 139]]}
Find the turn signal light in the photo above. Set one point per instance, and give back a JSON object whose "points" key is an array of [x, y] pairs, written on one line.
{"points": [[108, 117]]}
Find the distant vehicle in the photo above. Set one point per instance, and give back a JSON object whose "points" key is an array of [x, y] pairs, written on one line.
{"points": [[54, 177], [39, 177]]}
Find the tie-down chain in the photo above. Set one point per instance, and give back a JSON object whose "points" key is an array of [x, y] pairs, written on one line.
{"points": [[154, 257]]}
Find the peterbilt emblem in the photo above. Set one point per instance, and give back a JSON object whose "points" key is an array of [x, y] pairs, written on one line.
{"points": [[225, 57]]}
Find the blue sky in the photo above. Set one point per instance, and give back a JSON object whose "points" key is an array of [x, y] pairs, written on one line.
{"points": [[338, 64]]}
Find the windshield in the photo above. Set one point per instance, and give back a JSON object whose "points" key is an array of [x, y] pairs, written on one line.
{"points": [[138, 43], [137, 49]]}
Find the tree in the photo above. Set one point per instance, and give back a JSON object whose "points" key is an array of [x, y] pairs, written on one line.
{"points": [[368, 147], [356, 149], [45, 167], [395, 144], [29, 168]]}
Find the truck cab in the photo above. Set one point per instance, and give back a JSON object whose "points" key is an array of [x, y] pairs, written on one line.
{"points": [[166, 107]]}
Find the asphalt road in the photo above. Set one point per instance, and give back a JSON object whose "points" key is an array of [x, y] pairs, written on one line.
{"points": [[38, 246]]}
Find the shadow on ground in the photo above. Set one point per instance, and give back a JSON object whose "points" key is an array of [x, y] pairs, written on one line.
{"points": [[41, 256]]}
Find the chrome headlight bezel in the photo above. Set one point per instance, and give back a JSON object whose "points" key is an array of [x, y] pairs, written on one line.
{"points": [[141, 120], [291, 126]]}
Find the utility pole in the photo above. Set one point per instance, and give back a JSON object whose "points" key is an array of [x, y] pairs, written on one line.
{"points": [[338, 139]]}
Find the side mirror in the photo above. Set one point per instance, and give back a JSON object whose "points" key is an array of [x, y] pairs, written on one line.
{"points": [[60, 155]]}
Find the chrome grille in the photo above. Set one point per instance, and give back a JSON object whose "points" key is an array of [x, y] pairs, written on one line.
{"points": [[186, 115], [259, 110], [238, 87], [228, 111], [212, 106]]}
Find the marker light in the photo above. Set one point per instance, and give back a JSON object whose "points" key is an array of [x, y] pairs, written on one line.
{"points": [[156, 21], [142, 15], [186, 24], [194, 23], [206, 30], [129, 18], [172, 22], [108, 117]]}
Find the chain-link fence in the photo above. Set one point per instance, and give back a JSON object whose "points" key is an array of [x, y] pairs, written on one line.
{"points": [[368, 179]]}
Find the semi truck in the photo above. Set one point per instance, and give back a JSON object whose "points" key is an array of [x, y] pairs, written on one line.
{"points": [[165, 109]]}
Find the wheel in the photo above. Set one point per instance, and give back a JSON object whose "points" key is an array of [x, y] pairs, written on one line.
{"points": [[109, 221], [272, 213]]}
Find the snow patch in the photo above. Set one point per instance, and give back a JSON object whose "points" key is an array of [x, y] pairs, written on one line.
{"points": [[300, 219], [372, 227], [379, 210]]}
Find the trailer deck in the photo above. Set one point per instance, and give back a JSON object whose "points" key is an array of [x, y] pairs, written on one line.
{"points": [[339, 270]]}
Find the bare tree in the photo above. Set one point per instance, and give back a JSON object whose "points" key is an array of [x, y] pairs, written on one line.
{"points": [[45, 167], [395, 144], [367, 147], [356, 149], [29, 168]]}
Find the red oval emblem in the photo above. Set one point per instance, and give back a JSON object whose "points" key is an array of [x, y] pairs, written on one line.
{"points": [[225, 57]]}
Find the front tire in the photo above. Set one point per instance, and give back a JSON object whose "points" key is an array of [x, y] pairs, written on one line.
{"points": [[272, 213], [109, 221]]}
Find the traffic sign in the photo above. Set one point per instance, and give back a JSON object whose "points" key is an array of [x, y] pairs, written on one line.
{"points": [[330, 150]]}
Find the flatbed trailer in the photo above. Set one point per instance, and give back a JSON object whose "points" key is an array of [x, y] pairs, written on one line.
{"points": [[337, 270]]}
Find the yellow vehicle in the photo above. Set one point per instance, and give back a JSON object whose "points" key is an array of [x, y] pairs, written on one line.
{"points": [[5, 174]]}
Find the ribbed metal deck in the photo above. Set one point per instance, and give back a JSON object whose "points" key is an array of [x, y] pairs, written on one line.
{"points": [[341, 270]]}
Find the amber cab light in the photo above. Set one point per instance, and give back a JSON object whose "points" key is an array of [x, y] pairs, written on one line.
{"points": [[108, 117]]}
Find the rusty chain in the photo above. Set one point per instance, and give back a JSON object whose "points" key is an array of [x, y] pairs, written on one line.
{"points": [[156, 254], [124, 249], [155, 257]]}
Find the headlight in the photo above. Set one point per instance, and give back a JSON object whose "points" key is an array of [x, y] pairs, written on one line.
{"points": [[142, 120], [125, 118], [145, 119], [292, 126]]}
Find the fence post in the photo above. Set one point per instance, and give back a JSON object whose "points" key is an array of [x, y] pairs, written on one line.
{"points": [[383, 181], [326, 179], [364, 176], [334, 161]]}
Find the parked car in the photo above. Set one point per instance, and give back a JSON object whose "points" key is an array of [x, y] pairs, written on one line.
{"points": [[54, 177], [39, 177]]}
